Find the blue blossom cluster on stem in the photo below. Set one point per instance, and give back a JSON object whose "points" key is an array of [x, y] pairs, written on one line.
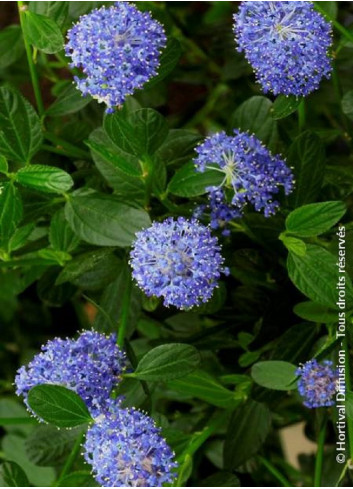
{"points": [[317, 383]]}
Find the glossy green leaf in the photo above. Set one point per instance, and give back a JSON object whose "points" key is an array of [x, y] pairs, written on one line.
{"points": [[139, 133], [103, 220], [20, 130], [313, 219], [167, 362], [42, 32], [4, 167], [11, 45], [44, 178], [315, 312], [188, 182], [248, 428], [294, 245], [284, 105], [275, 374], [58, 406], [12, 475], [307, 157], [11, 209], [61, 236], [69, 101], [179, 147]]}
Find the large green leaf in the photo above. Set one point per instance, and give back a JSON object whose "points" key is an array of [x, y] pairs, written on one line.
{"points": [[139, 133], [247, 430], [69, 101], [254, 115], [12, 475], [11, 45], [103, 220], [313, 219], [20, 131], [11, 210], [284, 105], [44, 178], [59, 406], [188, 182], [307, 157], [179, 147], [57, 11], [275, 374], [316, 275], [42, 32], [167, 362]]}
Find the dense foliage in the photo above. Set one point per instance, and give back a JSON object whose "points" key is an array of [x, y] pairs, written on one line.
{"points": [[176, 230]]}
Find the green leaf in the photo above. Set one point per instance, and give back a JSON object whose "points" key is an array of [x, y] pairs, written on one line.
{"points": [[42, 32], [11, 210], [61, 236], [316, 276], [103, 220], [295, 245], [168, 61], [275, 374], [20, 130], [347, 104], [188, 182], [139, 133], [69, 101], [307, 157], [313, 219], [203, 386], [179, 147], [11, 45], [47, 446], [285, 105], [315, 312], [254, 115], [113, 156], [247, 430], [167, 362], [4, 167], [44, 178], [57, 11], [11, 475], [59, 406]]}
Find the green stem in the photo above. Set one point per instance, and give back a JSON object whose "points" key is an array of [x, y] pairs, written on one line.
{"points": [[276, 474], [348, 384], [125, 309], [348, 35], [22, 7], [320, 453], [70, 460], [64, 145], [301, 115]]}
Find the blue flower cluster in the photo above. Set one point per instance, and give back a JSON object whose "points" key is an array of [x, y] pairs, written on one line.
{"points": [[286, 43], [178, 260], [123, 446], [317, 383], [125, 449], [251, 173], [118, 49], [91, 366]]}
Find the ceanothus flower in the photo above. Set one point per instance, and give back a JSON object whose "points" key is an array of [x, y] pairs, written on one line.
{"points": [[251, 174], [126, 449], [118, 49], [317, 383], [178, 260], [286, 43], [91, 366]]}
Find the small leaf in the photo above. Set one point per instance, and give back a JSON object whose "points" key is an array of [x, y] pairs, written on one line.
{"points": [[44, 178], [42, 32], [4, 167], [315, 312], [347, 104], [284, 106], [274, 374], [139, 133], [188, 182], [11, 45], [69, 101], [167, 362], [11, 210], [179, 147], [61, 236], [248, 428], [20, 130], [103, 220], [11, 475], [294, 245], [59, 406], [313, 219]]}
